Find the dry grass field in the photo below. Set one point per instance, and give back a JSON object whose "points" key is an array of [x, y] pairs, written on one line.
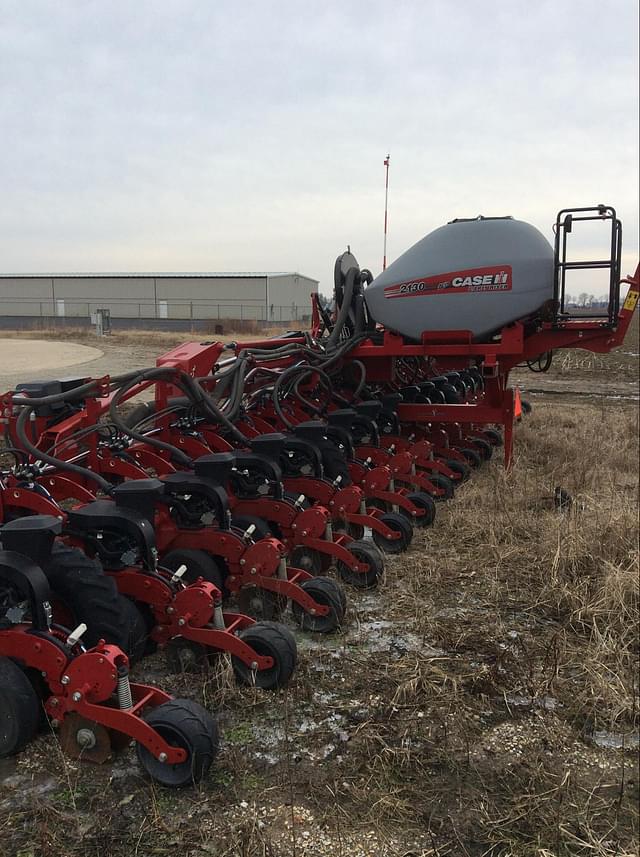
{"points": [[156, 339], [483, 701]]}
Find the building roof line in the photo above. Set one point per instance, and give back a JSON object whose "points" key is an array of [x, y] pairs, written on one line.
{"points": [[147, 274]]}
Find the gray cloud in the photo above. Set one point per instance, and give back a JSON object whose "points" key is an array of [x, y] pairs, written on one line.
{"points": [[235, 136]]}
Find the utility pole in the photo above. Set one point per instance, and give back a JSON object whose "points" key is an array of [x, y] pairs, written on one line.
{"points": [[386, 201]]}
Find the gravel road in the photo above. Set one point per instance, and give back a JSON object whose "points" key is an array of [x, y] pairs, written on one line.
{"points": [[24, 360]]}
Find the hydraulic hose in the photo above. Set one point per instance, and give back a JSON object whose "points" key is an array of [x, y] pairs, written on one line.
{"points": [[148, 375], [359, 313], [542, 363], [191, 389], [345, 306], [303, 370], [21, 431], [362, 380], [325, 382], [80, 392], [204, 401]]}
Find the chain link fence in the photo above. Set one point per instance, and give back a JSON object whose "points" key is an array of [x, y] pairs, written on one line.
{"points": [[128, 313]]}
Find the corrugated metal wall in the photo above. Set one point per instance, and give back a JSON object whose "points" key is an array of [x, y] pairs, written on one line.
{"points": [[281, 297]]}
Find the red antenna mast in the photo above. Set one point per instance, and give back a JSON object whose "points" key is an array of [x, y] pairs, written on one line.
{"points": [[386, 200]]}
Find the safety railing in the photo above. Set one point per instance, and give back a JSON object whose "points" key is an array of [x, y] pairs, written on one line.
{"points": [[566, 221]]}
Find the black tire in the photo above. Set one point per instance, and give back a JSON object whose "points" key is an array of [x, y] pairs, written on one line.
{"points": [[426, 503], [458, 467], [493, 436], [400, 524], [140, 622], [470, 381], [451, 395], [366, 552], [473, 457], [90, 596], [440, 481], [262, 528], [185, 724], [456, 381], [20, 709], [326, 592], [42, 692], [482, 446], [199, 564], [477, 376], [274, 640], [342, 595]]}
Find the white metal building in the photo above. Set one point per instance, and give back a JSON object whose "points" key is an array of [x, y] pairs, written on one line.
{"points": [[164, 297]]}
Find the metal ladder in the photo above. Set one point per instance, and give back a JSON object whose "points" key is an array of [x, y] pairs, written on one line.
{"points": [[564, 225]]}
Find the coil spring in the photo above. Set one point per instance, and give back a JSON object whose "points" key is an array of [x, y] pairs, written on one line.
{"points": [[125, 700]]}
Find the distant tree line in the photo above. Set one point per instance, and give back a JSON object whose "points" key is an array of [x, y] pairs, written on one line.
{"points": [[585, 300]]}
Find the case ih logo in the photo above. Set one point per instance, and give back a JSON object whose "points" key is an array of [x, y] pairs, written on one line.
{"points": [[494, 279]]}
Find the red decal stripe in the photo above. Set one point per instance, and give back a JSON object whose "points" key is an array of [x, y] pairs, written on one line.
{"points": [[496, 278]]}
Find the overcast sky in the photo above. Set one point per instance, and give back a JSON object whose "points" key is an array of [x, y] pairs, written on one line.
{"points": [[233, 136]]}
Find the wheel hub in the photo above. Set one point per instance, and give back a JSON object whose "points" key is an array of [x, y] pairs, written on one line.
{"points": [[86, 739]]}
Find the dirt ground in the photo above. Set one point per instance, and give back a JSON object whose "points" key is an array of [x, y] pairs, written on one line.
{"points": [[484, 700], [41, 355], [28, 359]]}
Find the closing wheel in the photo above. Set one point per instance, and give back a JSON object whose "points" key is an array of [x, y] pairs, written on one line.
{"points": [[41, 688], [400, 525], [185, 724], [440, 481], [307, 559], [328, 593], [493, 436], [482, 446], [362, 552], [199, 564], [19, 708], [451, 395], [140, 623], [273, 640], [458, 467], [473, 457], [426, 504], [92, 597], [262, 528]]}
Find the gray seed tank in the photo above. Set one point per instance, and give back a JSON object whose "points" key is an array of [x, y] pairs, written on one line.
{"points": [[476, 275]]}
